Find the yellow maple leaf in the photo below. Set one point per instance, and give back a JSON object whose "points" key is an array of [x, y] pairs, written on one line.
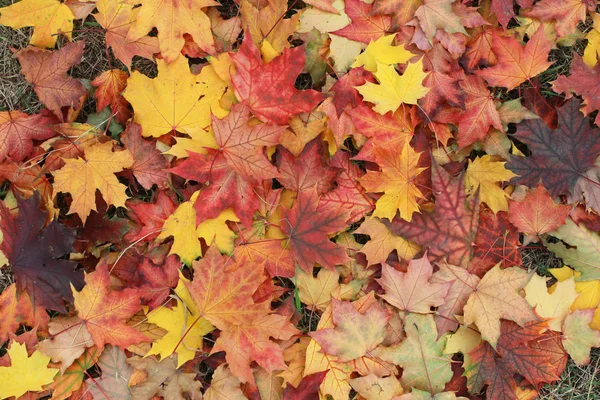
{"points": [[267, 23], [25, 374], [81, 177], [173, 19], [182, 226], [185, 328], [555, 305], [592, 50], [397, 181], [382, 51], [485, 173], [48, 17], [383, 242], [197, 142], [394, 89], [589, 291], [176, 100], [216, 230]]}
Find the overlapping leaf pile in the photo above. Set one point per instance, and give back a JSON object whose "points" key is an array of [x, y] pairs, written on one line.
{"points": [[323, 200]]}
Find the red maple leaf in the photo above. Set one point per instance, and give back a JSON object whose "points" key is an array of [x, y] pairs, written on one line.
{"points": [[34, 254], [558, 157], [449, 231], [308, 225], [268, 89]]}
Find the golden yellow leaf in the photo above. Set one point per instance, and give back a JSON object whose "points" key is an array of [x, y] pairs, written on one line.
{"points": [[173, 19], [555, 305], [176, 100], [25, 374], [399, 168], [182, 226], [589, 291], [393, 89], [592, 50], [82, 176], [485, 173], [383, 242], [216, 229], [382, 51], [48, 17], [184, 327]]}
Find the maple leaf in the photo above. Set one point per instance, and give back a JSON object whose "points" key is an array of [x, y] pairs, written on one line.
{"points": [[592, 50], [72, 379], [381, 51], [68, 341], [383, 242], [18, 131], [307, 388], [243, 145], [185, 329], [222, 293], [484, 174], [559, 158], [450, 230], [47, 72], [149, 217], [116, 373], [537, 213], [268, 89], [109, 86], [459, 283], [176, 100], [82, 177], [307, 170], [420, 355], [16, 309], [346, 341], [365, 27], [226, 188], [481, 112], [583, 250], [35, 252], [17, 379], [399, 169], [497, 296], [530, 351], [149, 165], [117, 18], [554, 306], [504, 9], [265, 23], [515, 63], [48, 17], [567, 14], [579, 338], [393, 89], [164, 379], [348, 193], [401, 11], [580, 82], [173, 19], [307, 226], [412, 290], [438, 14], [496, 241], [224, 384], [104, 311]]}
